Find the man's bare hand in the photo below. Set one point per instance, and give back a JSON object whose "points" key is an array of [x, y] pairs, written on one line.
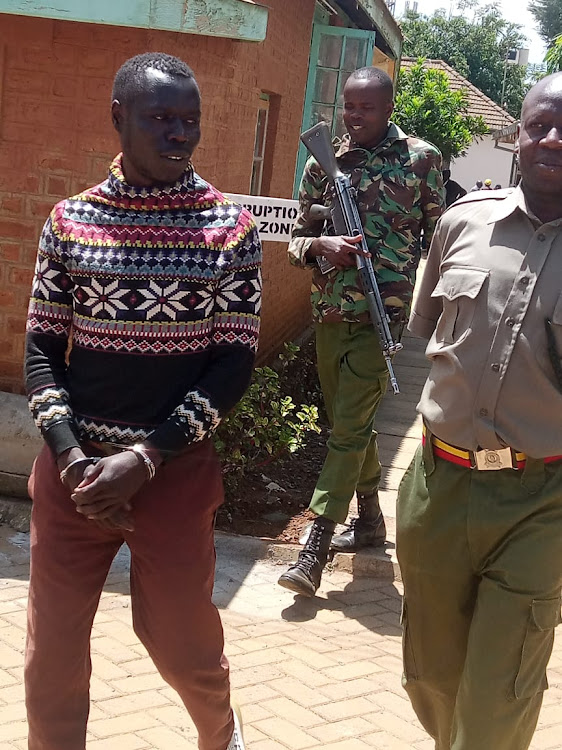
{"points": [[108, 487], [340, 250], [76, 472], [122, 520]]}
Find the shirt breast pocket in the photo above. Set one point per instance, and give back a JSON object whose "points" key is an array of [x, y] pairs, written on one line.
{"points": [[458, 288], [557, 314], [553, 351]]}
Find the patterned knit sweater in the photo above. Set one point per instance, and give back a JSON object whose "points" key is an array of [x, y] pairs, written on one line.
{"points": [[158, 290]]}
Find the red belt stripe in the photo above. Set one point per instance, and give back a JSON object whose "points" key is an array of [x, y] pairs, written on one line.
{"points": [[450, 453]]}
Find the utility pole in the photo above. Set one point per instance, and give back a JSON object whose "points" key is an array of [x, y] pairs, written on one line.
{"points": [[512, 57]]}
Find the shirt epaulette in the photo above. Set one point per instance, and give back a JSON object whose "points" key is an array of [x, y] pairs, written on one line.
{"points": [[482, 195]]}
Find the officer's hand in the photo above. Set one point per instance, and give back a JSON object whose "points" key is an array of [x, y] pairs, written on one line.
{"points": [[340, 250], [109, 486]]}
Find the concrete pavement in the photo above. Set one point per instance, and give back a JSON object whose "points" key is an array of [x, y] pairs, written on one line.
{"points": [[308, 674]]}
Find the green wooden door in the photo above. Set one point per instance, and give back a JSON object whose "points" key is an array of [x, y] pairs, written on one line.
{"points": [[334, 53]]}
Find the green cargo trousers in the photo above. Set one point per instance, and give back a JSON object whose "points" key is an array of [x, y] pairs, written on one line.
{"points": [[353, 378], [481, 560]]}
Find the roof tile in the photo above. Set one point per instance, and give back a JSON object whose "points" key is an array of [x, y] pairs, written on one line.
{"points": [[478, 103]]}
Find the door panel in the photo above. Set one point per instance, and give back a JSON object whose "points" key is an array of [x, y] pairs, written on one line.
{"points": [[334, 53]]}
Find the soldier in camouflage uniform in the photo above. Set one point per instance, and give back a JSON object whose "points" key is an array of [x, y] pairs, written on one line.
{"points": [[400, 195]]}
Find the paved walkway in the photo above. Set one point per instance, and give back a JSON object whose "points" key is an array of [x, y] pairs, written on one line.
{"points": [[308, 674]]}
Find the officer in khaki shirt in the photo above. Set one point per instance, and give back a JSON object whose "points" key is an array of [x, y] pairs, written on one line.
{"points": [[479, 536]]}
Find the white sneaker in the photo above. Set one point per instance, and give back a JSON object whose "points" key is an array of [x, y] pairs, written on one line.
{"points": [[237, 739]]}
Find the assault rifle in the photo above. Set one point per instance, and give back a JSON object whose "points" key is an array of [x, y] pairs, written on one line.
{"points": [[346, 221]]}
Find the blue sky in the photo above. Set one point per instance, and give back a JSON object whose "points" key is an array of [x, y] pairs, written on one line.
{"points": [[515, 11]]}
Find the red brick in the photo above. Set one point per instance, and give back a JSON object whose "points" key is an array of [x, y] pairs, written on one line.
{"points": [[58, 186], [15, 324], [30, 82], [9, 251], [29, 252], [20, 276], [61, 140], [40, 208], [15, 176], [21, 133], [38, 57], [66, 87], [6, 348], [54, 163], [6, 299], [16, 230], [96, 88], [12, 371], [11, 205], [7, 385], [56, 114]]}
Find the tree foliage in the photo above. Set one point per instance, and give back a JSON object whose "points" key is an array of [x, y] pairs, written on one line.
{"points": [[476, 48], [554, 56], [548, 15], [427, 107]]}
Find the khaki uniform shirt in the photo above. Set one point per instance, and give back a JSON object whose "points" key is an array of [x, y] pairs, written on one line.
{"points": [[493, 276], [399, 193]]}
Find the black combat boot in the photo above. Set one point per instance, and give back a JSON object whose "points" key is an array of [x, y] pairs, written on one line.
{"points": [[304, 576], [369, 530]]}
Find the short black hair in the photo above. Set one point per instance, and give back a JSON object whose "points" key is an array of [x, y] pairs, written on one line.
{"points": [[130, 76], [376, 74]]}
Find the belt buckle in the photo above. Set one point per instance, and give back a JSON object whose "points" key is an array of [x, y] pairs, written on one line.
{"points": [[490, 460]]}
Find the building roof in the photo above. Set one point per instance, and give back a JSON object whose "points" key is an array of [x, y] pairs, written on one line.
{"points": [[493, 115]]}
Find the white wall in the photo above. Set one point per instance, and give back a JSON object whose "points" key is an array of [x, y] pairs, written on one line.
{"points": [[482, 161]]}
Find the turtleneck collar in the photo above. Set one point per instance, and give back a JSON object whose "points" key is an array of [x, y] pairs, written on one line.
{"points": [[118, 185]]}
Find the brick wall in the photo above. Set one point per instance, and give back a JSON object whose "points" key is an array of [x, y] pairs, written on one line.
{"points": [[56, 138]]}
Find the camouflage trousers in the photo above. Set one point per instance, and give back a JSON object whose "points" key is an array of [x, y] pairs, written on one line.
{"points": [[481, 560], [353, 377]]}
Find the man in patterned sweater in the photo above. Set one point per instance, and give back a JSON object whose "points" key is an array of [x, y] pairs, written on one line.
{"points": [[153, 276], [400, 195]]}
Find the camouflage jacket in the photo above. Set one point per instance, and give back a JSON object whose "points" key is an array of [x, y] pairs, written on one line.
{"points": [[399, 194]]}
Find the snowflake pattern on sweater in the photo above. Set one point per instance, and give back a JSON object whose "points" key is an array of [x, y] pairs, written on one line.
{"points": [[159, 291]]}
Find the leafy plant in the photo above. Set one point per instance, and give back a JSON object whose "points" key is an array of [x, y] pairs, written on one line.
{"points": [[554, 56], [548, 15], [265, 424], [426, 106], [476, 47]]}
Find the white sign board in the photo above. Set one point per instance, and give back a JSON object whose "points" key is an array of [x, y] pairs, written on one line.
{"points": [[274, 217]]}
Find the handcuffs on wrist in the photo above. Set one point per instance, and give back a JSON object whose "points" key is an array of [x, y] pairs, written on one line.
{"points": [[138, 450], [85, 459]]}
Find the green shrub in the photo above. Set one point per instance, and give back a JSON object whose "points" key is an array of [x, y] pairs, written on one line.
{"points": [[265, 425]]}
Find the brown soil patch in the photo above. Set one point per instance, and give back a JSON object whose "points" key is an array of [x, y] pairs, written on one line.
{"points": [[272, 501]]}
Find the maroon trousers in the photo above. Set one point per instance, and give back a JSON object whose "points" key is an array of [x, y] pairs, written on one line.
{"points": [[172, 572]]}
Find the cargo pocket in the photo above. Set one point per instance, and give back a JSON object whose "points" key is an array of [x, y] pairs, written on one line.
{"points": [[458, 288], [408, 661], [544, 616]]}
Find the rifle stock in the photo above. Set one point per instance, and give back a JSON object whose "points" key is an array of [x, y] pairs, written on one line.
{"points": [[319, 142], [346, 221]]}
